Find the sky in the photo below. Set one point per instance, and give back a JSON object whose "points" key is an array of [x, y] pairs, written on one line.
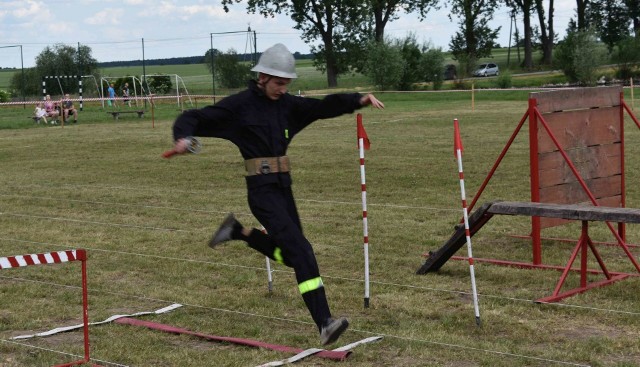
{"points": [[115, 30]]}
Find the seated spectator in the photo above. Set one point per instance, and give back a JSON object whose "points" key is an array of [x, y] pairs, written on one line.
{"points": [[68, 108], [50, 107], [39, 114]]}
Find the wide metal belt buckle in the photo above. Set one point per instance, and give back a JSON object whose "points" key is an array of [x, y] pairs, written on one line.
{"points": [[265, 168]]}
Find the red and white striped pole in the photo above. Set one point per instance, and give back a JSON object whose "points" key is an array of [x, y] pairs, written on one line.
{"points": [[457, 146], [363, 143]]}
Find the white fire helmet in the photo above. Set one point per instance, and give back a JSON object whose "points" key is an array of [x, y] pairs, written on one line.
{"points": [[277, 61]]}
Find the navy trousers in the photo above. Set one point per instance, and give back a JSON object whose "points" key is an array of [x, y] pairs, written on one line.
{"points": [[274, 207]]}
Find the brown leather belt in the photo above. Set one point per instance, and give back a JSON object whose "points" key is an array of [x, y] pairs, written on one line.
{"points": [[266, 165]]}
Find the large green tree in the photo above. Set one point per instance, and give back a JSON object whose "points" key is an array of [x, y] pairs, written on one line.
{"points": [[581, 14], [385, 11], [475, 39], [525, 7], [611, 19], [57, 61], [547, 35], [633, 7], [336, 23], [343, 27]]}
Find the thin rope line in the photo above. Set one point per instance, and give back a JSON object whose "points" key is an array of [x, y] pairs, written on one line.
{"points": [[60, 352], [244, 313], [335, 277], [94, 222], [117, 204], [199, 192]]}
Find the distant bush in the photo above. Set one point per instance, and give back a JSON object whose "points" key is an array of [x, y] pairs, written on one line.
{"points": [[230, 72], [579, 55], [627, 55], [159, 84], [461, 84], [431, 66], [384, 66], [504, 80], [4, 96]]}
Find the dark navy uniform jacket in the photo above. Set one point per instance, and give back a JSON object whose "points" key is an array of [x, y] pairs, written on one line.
{"points": [[259, 126]]}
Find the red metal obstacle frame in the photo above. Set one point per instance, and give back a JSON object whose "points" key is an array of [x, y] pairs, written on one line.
{"points": [[56, 258], [597, 97]]}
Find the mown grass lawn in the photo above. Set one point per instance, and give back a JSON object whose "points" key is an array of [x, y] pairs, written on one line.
{"points": [[145, 222]]}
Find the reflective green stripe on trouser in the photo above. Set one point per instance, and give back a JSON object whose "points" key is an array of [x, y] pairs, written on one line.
{"points": [[310, 285], [277, 255]]}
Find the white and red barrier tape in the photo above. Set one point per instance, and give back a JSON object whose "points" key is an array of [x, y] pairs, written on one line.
{"points": [[150, 98], [38, 259]]}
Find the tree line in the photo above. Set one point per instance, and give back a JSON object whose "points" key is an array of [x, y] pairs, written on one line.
{"points": [[345, 28], [352, 33]]}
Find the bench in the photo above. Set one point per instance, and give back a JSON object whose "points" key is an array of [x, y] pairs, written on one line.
{"points": [[583, 213], [116, 114], [37, 120]]}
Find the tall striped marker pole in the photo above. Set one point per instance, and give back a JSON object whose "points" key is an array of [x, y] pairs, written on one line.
{"points": [[363, 143], [457, 146]]}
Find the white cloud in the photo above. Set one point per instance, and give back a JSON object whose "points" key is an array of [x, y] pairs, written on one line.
{"points": [[23, 9], [108, 16]]}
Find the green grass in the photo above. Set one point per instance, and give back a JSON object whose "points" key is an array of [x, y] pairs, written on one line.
{"points": [[145, 222]]}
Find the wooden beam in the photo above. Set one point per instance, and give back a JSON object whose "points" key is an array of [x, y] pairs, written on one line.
{"points": [[566, 211]]}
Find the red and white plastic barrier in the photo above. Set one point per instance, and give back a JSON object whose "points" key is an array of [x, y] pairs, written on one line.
{"points": [[58, 257], [38, 259]]}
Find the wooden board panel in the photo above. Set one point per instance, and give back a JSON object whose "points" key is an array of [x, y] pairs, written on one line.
{"points": [[590, 162], [579, 98], [612, 202], [566, 211], [577, 129], [572, 193]]}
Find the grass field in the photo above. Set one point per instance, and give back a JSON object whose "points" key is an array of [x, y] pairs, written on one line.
{"points": [[145, 222]]}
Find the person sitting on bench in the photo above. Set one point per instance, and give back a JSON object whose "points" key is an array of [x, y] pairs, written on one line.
{"points": [[68, 108], [39, 114], [50, 107]]}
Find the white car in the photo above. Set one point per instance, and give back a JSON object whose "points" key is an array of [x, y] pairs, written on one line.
{"points": [[486, 70]]}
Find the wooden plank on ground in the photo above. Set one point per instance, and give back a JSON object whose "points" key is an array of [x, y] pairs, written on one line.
{"points": [[576, 129], [579, 98]]}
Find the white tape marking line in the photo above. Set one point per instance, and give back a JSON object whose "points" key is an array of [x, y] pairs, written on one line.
{"points": [[297, 357], [355, 344], [114, 317], [312, 351]]}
